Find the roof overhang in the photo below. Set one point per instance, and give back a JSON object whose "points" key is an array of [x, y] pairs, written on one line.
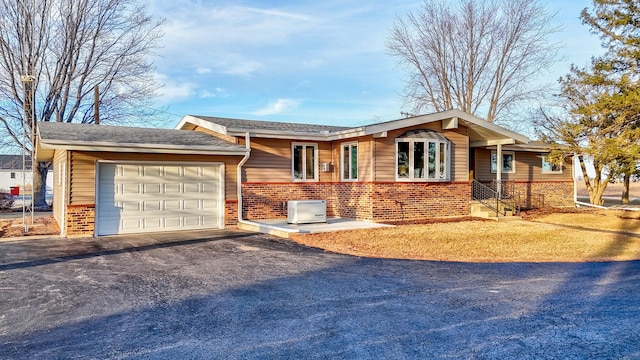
{"points": [[480, 132], [46, 148]]}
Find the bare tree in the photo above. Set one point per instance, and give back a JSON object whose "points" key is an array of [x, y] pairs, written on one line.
{"points": [[70, 46], [474, 55]]}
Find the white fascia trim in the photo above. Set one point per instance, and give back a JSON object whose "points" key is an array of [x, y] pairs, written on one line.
{"points": [[147, 148], [492, 142], [529, 148], [201, 123]]}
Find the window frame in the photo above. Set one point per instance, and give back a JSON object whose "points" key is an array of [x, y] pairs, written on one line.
{"points": [[438, 177], [504, 171], [12, 175], [350, 144], [551, 165], [316, 154]]}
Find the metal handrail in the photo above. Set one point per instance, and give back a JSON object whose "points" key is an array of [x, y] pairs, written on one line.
{"points": [[491, 198]]}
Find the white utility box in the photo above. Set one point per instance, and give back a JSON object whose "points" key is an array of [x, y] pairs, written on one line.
{"points": [[306, 211]]}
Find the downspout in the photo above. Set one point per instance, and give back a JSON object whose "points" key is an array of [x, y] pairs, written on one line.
{"points": [[247, 144], [254, 226]]}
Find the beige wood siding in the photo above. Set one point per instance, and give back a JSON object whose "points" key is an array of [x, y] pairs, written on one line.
{"points": [[82, 176], [528, 167], [270, 160], [365, 158], [82, 170], [60, 182], [385, 152]]}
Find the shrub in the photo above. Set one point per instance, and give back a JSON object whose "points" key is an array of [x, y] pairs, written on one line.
{"points": [[6, 201]]}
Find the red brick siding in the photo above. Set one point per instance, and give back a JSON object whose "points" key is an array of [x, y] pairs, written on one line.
{"points": [[80, 219], [268, 200], [352, 200], [544, 193], [230, 212], [412, 201], [365, 201]]}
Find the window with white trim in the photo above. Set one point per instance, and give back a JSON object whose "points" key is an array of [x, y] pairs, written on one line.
{"points": [[550, 167], [422, 155], [304, 161], [508, 162], [349, 163]]}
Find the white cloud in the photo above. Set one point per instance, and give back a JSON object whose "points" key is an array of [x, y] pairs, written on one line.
{"points": [[203, 70], [277, 107], [173, 91], [217, 92]]}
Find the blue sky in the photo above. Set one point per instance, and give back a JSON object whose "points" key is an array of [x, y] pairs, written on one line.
{"points": [[314, 61]]}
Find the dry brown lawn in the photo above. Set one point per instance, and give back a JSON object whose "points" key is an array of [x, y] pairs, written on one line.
{"points": [[547, 236]]}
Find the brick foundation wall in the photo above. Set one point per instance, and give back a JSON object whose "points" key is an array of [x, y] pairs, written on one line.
{"points": [[268, 200], [363, 201], [413, 201], [545, 193], [353, 200], [80, 219], [230, 212]]}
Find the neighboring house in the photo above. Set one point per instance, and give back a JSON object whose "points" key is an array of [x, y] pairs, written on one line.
{"points": [[11, 174], [406, 169]]}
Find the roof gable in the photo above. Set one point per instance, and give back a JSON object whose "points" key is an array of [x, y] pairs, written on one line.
{"points": [[481, 132]]}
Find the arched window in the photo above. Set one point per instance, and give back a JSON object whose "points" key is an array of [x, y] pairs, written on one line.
{"points": [[422, 155]]}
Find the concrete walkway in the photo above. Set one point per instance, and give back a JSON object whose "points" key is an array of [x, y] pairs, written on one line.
{"points": [[281, 228]]}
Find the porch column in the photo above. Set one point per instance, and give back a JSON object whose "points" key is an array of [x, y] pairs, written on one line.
{"points": [[499, 171]]}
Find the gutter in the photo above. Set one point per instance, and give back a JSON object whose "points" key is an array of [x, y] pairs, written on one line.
{"points": [[247, 144], [265, 228]]}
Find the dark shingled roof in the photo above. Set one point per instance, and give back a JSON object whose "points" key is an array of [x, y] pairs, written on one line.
{"points": [[72, 132], [271, 125], [14, 162]]}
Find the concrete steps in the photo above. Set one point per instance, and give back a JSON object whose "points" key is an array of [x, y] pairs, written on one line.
{"points": [[480, 210]]}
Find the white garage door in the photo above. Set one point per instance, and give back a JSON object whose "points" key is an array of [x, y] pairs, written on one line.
{"points": [[134, 198]]}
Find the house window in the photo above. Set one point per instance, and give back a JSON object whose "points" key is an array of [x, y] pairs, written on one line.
{"points": [[422, 155], [13, 175], [349, 163], [304, 161], [508, 162], [549, 167]]}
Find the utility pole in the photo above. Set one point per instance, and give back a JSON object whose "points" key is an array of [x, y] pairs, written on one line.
{"points": [[29, 127]]}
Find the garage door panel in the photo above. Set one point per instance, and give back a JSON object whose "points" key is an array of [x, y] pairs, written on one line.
{"points": [[129, 206], [172, 205], [173, 222], [127, 188], [152, 197], [191, 171], [172, 188], [192, 221], [192, 188], [152, 223], [152, 205], [172, 172], [210, 204], [152, 171], [151, 188], [191, 204]]}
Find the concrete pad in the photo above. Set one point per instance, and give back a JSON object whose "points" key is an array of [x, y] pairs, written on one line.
{"points": [[280, 227]]}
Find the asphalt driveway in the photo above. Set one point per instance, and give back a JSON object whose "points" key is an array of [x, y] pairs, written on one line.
{"points": [[231, 294]]}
